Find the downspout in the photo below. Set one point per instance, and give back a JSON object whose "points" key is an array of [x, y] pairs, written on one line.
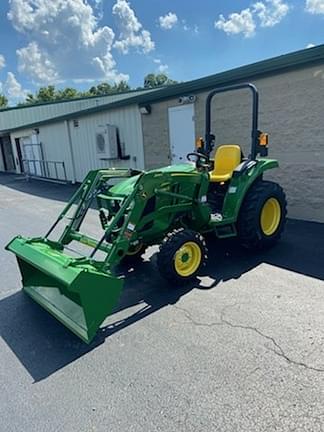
{"points": [[68, 131]]}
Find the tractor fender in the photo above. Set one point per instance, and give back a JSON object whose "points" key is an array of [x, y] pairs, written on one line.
{"points": [[239, 187]]}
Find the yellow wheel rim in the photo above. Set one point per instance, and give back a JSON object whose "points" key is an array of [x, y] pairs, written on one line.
{"points": [[270, 216], [187, 259]]}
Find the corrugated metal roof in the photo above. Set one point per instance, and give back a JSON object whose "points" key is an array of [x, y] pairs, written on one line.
{"points": [[17, 117], [78, 99], [271, 66]]}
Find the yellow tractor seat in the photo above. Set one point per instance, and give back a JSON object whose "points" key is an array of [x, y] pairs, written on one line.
{"points": [[227, 158]]}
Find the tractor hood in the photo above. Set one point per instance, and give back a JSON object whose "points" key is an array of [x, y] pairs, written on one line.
{"points": [[125, 187]]}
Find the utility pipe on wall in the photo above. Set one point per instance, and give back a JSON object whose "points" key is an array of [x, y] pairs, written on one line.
{"points": [[68, 131]]}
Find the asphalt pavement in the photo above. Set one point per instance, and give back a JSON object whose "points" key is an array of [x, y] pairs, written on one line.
{"points": [[241, 349]]}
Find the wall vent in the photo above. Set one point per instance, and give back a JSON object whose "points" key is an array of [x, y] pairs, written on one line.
{"points": [[100, 143]]}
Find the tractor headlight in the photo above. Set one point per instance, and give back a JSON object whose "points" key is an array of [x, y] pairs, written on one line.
{"points": [[263, 139], [199, 143]]}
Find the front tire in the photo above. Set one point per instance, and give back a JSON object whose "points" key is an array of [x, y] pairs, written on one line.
{"points": [[134, 254], [182, 254], [262, 216]]}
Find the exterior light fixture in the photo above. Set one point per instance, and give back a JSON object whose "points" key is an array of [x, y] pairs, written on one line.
{"points": [[145, 109]]}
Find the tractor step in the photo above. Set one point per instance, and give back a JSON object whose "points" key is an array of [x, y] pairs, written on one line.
{"points": [[226, 231]]}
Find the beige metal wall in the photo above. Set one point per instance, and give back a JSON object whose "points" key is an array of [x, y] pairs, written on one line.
{"points": [[77, 148], [83, 138], [55, 145], [291, 110]]}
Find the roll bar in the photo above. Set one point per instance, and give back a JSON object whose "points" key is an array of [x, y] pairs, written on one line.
{"points": [[209, 138]]}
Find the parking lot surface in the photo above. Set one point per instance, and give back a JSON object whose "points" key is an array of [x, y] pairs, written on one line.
{"points": [[241, 349]]}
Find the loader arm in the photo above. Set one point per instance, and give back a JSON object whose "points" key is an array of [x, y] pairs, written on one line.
{"points": [[82, 292]]}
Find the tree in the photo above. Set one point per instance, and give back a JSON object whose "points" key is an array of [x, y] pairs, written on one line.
{"points": [[67, 93], [122, 86], [106, 89], [50, 93], [155, 80], [100, 89], [3, 101], [44, 94]]}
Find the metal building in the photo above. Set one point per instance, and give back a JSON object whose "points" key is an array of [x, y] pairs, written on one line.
{"points": [[151, 128], [64, 140]]}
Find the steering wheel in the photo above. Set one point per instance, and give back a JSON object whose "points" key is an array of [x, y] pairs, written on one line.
{"points": [[200, 158]]}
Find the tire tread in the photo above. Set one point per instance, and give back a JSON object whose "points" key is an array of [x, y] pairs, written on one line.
{"points": [[170, 244], [250, 235]]}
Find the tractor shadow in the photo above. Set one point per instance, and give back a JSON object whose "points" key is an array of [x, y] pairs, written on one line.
{"points": [[42, 189], [227, 260], [44, 346]]}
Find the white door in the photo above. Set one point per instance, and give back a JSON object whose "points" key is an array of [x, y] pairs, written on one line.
{"points": [[182, 132], [32, 153]]}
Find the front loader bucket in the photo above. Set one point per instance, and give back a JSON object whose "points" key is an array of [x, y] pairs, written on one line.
{"points": [[79, 296]]}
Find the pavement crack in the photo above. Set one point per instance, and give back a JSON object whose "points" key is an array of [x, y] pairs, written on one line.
{"points": [[195, 322], [277, 349]]}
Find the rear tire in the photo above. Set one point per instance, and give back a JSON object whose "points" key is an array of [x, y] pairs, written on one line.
{"points": [[183, 253], [262, 216]]}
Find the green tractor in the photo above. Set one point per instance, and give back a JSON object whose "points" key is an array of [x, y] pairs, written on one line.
{"points": [[173, 207]]}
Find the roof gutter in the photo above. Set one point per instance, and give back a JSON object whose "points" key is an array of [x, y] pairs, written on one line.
{"points": [[304, 58]]}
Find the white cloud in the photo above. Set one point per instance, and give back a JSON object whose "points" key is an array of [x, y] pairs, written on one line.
{"points": [[270, 12], [161, 68], [99, 7], [36, 64], [13, 89], [236, 23], [65, 41], [2, 61], [186, 27], [168, 21], [132, 34], [84, 80], [315, 6], [310, 45]]}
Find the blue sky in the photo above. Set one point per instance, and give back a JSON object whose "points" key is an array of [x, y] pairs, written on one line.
{"points": [[81, 43]]}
